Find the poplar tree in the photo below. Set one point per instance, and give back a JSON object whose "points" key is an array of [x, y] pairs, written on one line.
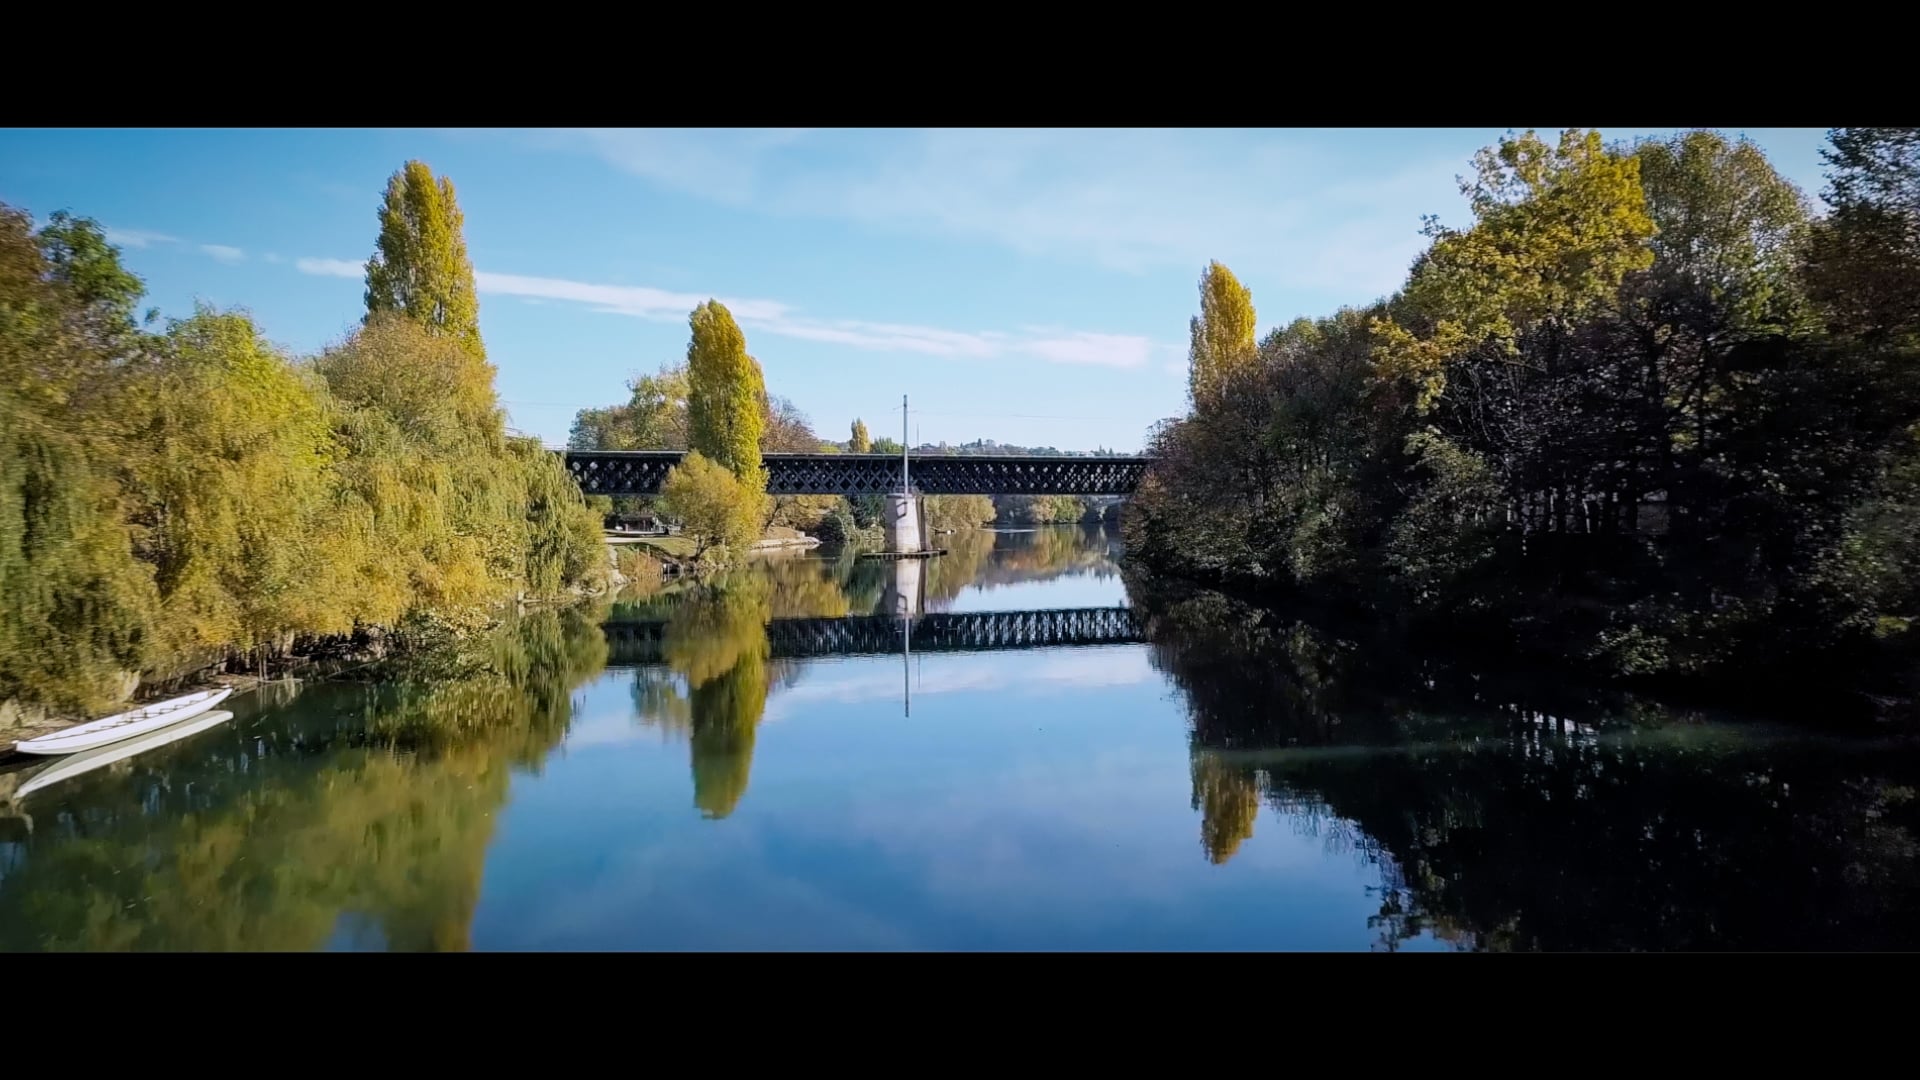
{"points": [[420, 267], [725, 395], [861, 442], [1222, 336]]}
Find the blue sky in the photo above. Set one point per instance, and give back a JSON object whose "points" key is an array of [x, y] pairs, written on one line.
{"points": [[1021, 285]]}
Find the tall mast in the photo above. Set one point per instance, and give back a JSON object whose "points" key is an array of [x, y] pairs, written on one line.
{"points": [[903, 445]]}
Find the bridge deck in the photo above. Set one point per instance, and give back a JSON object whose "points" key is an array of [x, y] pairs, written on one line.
{"points": [[639, 472]]}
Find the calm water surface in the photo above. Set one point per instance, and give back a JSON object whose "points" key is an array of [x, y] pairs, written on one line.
{"points": [[1046, 757]]}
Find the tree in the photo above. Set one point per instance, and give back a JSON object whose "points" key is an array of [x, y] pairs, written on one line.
{"points": [[1223, 333], [78, 605], [726, 410], [944, 513], [1728, 223], [1863, 265], [232, 488], [716, 509], [1555, 231], [420, 266], [861, 442]]}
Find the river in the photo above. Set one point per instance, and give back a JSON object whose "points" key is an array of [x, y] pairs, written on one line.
{"points": [[1047, 755]]}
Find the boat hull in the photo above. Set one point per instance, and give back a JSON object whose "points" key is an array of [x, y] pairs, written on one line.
{"points": [[81, 764], [128, 725]]}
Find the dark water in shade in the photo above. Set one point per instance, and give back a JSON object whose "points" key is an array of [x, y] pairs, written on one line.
{"points": [[774, 764]]}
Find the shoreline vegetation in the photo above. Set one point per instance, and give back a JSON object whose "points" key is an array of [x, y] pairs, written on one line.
{"points": [[181, 502], [1647, 418]]}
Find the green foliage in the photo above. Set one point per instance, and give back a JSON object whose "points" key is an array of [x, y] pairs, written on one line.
{"points": [[837, 526], [1727, 222], [943, 513], [726, 397], [1555, 231], [563, 544], [233, 488], [383, 823], [1039, 509], [654, 416], [420, 267], [1601, 422], [78, 606], [194, 497], [719, 512], [861, 442], [1446, 531]]}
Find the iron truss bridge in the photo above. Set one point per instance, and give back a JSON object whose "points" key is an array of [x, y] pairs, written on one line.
{"points": [[639, 472], [872, 635]]}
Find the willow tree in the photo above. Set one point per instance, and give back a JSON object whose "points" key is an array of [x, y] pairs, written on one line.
{"points": [[1222, 335], [726, 406], [861, 442], [231, 493], [420, 267], [78, 607]]}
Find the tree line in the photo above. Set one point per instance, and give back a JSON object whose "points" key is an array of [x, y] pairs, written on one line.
{"points": [[183, 494], [1648, 410]]}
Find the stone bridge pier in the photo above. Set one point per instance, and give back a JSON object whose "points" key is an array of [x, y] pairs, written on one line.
{"points": [[906, 593]]}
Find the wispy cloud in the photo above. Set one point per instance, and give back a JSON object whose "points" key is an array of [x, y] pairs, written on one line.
{"points": [[780, 319], [138, 238], [223, 253], [331, 267], [1281, 207], [638, 300]]}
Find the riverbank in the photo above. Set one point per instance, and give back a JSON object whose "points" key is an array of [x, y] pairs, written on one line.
{"points": [[315, 659], [17, 725]]}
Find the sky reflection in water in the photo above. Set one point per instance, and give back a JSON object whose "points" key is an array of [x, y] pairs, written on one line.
{"points": [[1227, 781]]}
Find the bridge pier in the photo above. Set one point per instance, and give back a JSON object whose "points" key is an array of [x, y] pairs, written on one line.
{"points": [[906, 592], [904, 529]]}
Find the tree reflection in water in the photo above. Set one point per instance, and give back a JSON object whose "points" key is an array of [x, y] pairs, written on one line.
{"points": [[362, 811], [713, 687], [1508, 816]]}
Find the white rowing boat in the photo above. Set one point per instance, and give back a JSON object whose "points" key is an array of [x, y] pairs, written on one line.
{"points": [[68, 768], [125, 725]]}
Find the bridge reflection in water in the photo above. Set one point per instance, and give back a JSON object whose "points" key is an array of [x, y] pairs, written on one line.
{"points": [[642, 642]]}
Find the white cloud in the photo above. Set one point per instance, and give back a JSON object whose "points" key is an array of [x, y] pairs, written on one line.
{"points": [[272, 258], [223, 253], [138, 238], [638, 300], [773, 317], [331, 267], [1279, 207]]}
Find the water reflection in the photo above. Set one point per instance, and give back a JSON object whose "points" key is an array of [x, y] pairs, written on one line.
{"points": [[356, 814], [709, 654], [1502, 815], [730, 765]]}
